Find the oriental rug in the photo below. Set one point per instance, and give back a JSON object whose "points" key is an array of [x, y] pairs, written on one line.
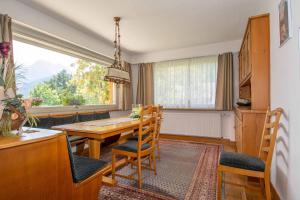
{"points": [[186, 170]]}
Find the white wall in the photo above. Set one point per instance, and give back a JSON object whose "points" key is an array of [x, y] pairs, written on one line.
{"points": [[27, 15], [285, 93], [188, 52]]}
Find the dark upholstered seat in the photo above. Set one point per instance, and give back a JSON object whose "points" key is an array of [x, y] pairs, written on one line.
{"points": [[104, 115], [83, 167], [242, 161], [46, 122], [86, 117], [131, 146], [135, 137], [64, 120]]}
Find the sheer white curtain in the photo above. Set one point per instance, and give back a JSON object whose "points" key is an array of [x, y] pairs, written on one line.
{"points": [[186, 83]]}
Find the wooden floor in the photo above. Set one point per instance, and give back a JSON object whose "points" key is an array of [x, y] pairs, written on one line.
{"points": [[236, 187]]}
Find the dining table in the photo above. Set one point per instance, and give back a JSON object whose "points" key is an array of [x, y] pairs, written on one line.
{"points": [[97, 130]]}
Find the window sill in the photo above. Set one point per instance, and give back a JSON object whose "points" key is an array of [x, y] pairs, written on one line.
{"points": [[196, 109], [42, 111]]}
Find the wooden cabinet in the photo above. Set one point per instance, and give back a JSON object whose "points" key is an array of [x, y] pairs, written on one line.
{"points": [[238, 134], [254, 58], [254, 73], [248, 130]]}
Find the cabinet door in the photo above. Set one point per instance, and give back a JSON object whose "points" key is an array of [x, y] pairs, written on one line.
{"points": [[245, 57]]}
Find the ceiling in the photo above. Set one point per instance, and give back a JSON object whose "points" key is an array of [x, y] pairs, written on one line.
{"points": [[154, 25]]}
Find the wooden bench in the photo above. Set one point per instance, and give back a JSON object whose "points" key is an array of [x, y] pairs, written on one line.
{"points": [[38, 166]]}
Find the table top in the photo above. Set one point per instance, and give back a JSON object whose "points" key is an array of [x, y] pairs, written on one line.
{"points": [[30, 135], [100, 126]]}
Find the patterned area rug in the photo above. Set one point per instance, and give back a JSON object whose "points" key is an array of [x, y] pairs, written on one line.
{"points": [[187, 170]]}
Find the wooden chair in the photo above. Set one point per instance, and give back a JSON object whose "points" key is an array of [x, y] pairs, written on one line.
{"points": [[158, 110], [136, 150], [259, 167]]}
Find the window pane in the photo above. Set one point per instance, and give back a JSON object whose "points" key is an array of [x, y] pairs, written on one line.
{"points": [[203, 73], [59, 79], [171, 83], [186, 83]]}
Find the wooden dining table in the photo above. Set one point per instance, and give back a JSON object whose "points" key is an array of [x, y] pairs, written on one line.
{"points": [[96, 131]]}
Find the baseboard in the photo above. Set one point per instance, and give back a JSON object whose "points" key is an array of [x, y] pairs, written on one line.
{"points": [[197, 139], [275, 195]]}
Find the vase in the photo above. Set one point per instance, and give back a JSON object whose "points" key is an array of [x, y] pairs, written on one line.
{"points": [[15, 124]]}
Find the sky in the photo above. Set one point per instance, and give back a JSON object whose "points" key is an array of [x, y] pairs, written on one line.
{"points": [[39, 62]]}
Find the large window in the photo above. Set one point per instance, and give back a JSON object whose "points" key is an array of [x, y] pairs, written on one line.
{"points": [[186, 83], [58, 79]]}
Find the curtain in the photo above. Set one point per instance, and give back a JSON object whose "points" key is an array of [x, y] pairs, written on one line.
{"points": [[224, 94], [186, 83], [126, 91], [145, 84], [7, 80]]}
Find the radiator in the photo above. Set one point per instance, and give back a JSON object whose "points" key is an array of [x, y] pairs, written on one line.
{"points": [[204, 124]]}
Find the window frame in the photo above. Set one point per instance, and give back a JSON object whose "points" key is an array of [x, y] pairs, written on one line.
{"points": [[30, 35]]}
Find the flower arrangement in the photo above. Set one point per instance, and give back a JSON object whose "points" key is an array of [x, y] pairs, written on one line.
{"points": [[13, 109], [15, 114], [136, 111]]}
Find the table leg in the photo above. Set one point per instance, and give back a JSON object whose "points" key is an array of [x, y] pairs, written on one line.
{"points": [[94, 148]]}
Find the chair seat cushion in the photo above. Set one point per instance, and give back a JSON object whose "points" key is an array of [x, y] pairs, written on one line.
{"points": [[242, 161], [131, 146], [84, 167]]}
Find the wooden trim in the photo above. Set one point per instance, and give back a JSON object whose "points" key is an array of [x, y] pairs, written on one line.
{"points": [[245, 172], [195, 109], [275, 195], [65, 114], [198, 139]]}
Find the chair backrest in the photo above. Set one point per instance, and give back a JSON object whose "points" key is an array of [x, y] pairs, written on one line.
{"points": [[269, 136], [146, 131], [158, 109]]}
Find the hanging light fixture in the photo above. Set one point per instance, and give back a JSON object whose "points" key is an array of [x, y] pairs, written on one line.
{"points": [[117, 73]]}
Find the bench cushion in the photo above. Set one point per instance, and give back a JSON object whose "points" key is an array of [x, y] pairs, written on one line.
{"points": [[85, 167], [131, 146], [86, 117], [242, 161], [45, 123], [64, 120], [104, 115]]}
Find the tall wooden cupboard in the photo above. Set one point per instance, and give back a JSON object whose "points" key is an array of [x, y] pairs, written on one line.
{"points": [[254, 84]]}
